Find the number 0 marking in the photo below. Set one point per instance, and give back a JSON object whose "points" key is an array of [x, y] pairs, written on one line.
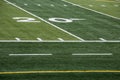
{"points": [[25, 19], [64, 20]]}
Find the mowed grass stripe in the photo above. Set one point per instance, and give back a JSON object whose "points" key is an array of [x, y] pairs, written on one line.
{"points": [[60, 71]]}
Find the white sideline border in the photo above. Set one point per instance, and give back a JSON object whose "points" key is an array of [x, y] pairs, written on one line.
{"points": [[43, 19], [58, 41], [91, 10]]}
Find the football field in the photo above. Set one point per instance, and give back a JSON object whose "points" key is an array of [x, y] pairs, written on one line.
{"points": [[59, 39]]}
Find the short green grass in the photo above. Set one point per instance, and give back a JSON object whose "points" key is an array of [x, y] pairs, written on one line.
{"points": [[69, 76], [10, 29], [94, 26], [60, 60], [112, 6]]}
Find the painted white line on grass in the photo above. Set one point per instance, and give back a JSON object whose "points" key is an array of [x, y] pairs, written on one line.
{"points": [[25, 4], [86, 41], [52, 5], [30, 54], [102, 39], [65, 5], [91, 9], [39, 39], [103, 5], [43, 20], [18, 39], [116, 5], [90, 5], [82, 39], [92, 54], [38, 5], [60, 39]]}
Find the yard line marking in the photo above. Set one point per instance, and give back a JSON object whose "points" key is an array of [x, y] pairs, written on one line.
{"points": [[90, 5], [92, 54], [39, 39], [102, 39], [18, 39], [65, 5], [62, 71], [52, 5], [25, 4], [61, 39], [38, 5], [91, 9], [82, 39], [103, 5], [116, 5], [30, 54], [43, 20]]}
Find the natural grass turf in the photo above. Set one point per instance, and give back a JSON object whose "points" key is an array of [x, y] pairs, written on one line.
{"points": [[10, 29], [110, 8], [62, 76], [61, 59], [94, 27]]}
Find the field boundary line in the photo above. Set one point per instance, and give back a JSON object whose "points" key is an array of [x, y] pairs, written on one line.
{"points": [[91, 10], [62, 71], [86, 41], [42, 19]]}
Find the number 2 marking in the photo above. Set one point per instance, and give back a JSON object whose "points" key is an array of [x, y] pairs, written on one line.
{"points": [[25, 19]]}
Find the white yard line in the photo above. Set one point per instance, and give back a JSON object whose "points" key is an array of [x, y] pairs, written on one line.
{"points": [[102, 39], [18, 39], [38, 4], [86, 41], [60, 39], [30, 54], [90, 9], [43, 19], [92, 54], [39, 39], [25, 4], [52, 5]]}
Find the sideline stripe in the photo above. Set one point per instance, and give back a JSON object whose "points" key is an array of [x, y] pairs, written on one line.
{"points": [[65, 71], [91, 9], [43, 20], [92, 54], [30, 54], [86, 41]]}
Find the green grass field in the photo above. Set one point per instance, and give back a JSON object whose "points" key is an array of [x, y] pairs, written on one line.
{"points": [[60, 60], [111, 7], [59, 39]]}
